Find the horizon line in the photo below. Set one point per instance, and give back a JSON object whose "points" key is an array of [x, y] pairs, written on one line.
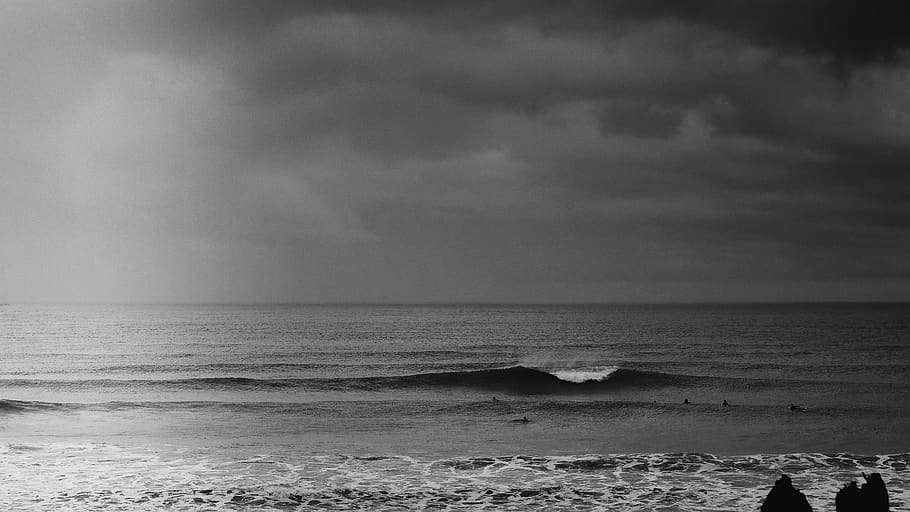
{"points": [[462, 303]]}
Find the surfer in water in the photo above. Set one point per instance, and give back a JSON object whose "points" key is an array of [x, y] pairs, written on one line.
{"points": [[523, 419], [726, 404], [794, 407], [686, 401]]}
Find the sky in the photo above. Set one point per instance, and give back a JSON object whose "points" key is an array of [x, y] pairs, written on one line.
{"points": [[454, 151]]}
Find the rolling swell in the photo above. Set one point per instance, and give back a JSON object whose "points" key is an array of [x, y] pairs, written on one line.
{"points": [[518, 380], [10, 406]]}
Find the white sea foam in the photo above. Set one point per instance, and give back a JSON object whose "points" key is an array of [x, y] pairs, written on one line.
{"points": [[579, 375], [100, 476]]}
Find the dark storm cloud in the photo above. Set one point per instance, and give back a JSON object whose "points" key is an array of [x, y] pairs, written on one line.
{"points": [[848, 31], [458, 150]]}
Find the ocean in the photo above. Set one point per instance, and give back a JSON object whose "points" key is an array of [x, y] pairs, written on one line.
{"points": [[402, 407]]}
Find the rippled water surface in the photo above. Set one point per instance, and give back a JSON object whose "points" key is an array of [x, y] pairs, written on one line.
{"points": [[295, 407]]}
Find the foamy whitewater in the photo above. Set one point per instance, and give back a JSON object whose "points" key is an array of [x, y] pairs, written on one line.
{"points": [[415, 407]]}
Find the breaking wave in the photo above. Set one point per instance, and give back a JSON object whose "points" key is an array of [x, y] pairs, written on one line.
{"points": [[581, 375]]}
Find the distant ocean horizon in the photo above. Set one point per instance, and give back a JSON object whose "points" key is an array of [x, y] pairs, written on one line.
{"points": [[352, 303], [455, 406]]}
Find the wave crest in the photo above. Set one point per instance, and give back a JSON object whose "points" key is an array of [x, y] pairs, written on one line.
{"points": [[581, 375]]}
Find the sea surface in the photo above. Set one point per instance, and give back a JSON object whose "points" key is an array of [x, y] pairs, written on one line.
{"points": [[415, 407]]}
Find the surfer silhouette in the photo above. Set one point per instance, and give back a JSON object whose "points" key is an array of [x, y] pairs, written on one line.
{"points": [[726, 404], [794, 407], [686, 401], [523, 419]]}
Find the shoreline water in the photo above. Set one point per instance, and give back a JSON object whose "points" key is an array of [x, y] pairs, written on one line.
{"points": [[112, 477]]}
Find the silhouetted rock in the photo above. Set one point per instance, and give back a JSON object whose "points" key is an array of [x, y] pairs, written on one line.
{"points": [[875, 495], [872, 497], [849, 499], [785, 498]]}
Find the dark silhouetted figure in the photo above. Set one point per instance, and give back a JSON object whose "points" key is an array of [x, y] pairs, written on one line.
{"points": [[523, 419], [794, 407], [686, 401], [849, 499], [726, 404], [785, 498]]}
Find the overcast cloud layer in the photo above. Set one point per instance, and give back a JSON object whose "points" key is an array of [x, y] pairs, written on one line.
{"points": [[454, 151]]}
